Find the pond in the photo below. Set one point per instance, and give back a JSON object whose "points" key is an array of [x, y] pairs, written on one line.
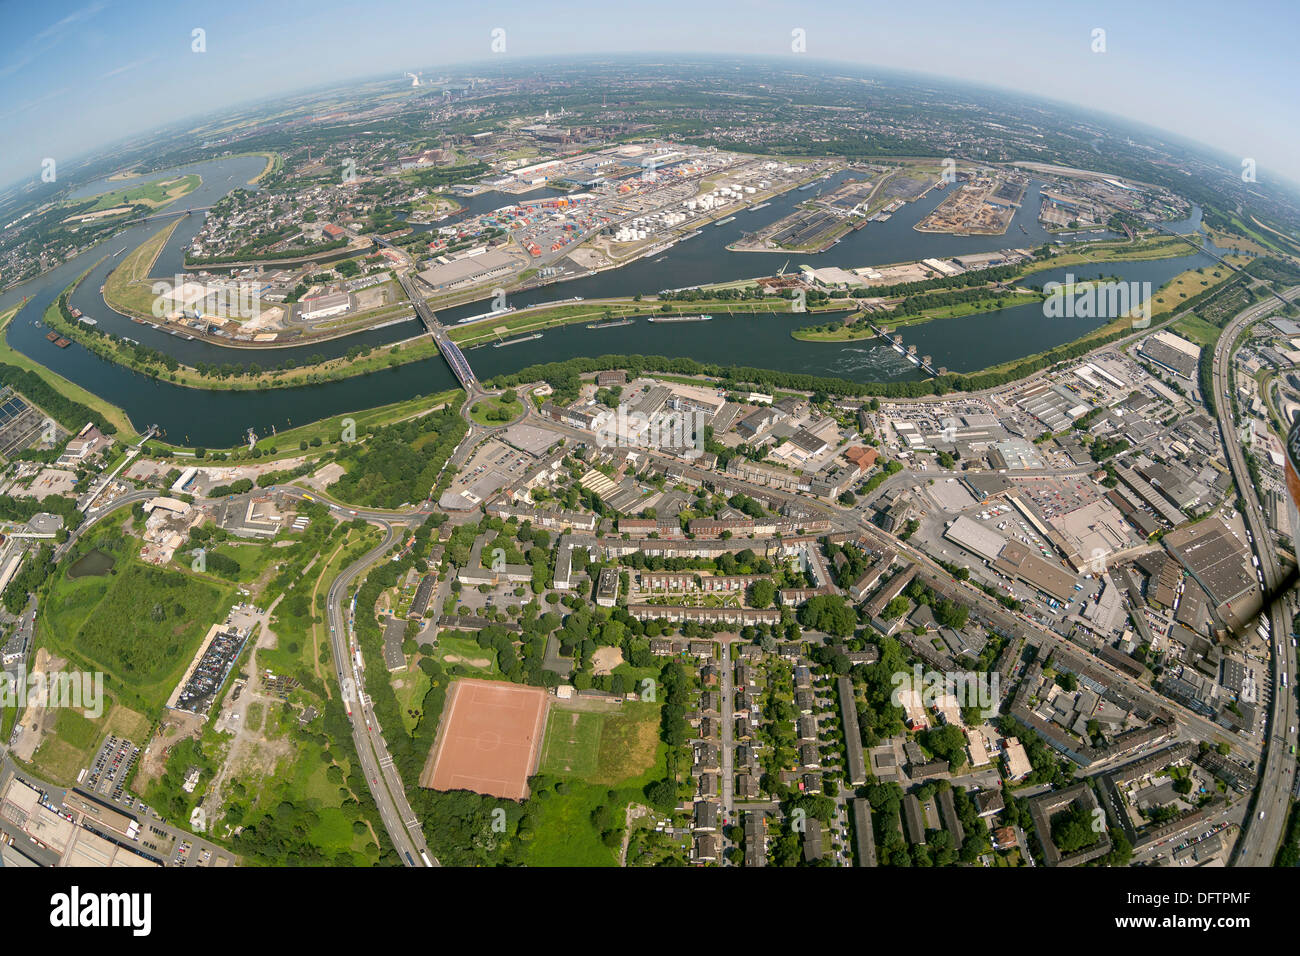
{"points": [[92, 564]]}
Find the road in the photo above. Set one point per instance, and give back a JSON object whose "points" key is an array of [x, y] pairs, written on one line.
{"points": [[1263, 827], [986, 607], [381, 776], [390, 796]]}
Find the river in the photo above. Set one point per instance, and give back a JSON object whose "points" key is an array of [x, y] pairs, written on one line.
{"points": [[221, 418]]}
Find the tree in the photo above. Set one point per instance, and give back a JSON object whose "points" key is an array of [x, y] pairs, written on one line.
{"points": [[762, 593]]}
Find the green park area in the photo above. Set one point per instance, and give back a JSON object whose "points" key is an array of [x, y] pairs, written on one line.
{"points": [[611, 756], [601, 747], [497, 410], [138, 623]]}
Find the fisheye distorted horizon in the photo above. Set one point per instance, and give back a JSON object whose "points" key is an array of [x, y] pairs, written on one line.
{"points": [[80, 74]]}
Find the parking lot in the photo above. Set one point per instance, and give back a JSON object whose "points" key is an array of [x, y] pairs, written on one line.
{"points": [[492, 466], [109, 770]]}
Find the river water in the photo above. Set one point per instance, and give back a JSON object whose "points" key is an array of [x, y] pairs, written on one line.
{"points": [[220, 418]]}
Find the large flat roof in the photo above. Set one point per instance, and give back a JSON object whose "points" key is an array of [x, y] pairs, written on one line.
{"points": [[463, 270], [1051, 579], [973, 536], [1215, 556]]}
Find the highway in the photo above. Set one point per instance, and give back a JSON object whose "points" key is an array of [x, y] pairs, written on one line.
{"points": [[381, 776], [1264, 826]]}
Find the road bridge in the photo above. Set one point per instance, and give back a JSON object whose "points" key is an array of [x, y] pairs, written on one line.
{"points": [[168, 215], [450, 350]]}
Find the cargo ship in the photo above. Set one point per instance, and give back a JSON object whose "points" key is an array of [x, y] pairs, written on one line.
{"points": [[723, 222], [485, 315], [680, 318], [522, 338], [762, 205], [611, 325]]}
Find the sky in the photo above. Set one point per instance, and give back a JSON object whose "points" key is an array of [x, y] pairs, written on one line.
{"points": [[77, 74]]}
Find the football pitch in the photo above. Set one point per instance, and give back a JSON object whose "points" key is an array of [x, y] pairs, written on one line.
{"points": [[572, 743]]}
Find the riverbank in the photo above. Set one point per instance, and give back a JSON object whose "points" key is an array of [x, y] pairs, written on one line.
{"points": [[285, 444], [598, 311], [326, 431], [11, 356], [230, 377], [127, 290], [1119, 327], [858, 329]]}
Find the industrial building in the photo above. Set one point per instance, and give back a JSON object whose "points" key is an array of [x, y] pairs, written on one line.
{"points": [[325, 306], [457, 273], [1171, 352]]}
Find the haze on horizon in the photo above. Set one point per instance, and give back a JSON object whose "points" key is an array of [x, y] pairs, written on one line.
{"points": [[79, 74]]}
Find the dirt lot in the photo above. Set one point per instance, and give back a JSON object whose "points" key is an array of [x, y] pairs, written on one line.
{"points": [[37, 721], [605, 659], [174, 727]]}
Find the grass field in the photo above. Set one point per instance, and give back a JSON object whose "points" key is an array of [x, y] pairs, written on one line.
{"points": [[76, 737], [629, 756], [126, 288], [572, 744], [603, 748], [1186, 285], [152, 194], [496, 411], [139, 624], [1196, 329], [465, 649], [409, 689]]}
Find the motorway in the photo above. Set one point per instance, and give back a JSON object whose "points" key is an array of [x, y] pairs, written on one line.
{"points": [[389, 795], [1265, 825], [381, 776]]}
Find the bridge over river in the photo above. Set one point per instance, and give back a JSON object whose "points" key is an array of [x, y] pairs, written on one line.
{"points": [[449, 349]]}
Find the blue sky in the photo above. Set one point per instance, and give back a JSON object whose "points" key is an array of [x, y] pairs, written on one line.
{"points": [[77, 74]]}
